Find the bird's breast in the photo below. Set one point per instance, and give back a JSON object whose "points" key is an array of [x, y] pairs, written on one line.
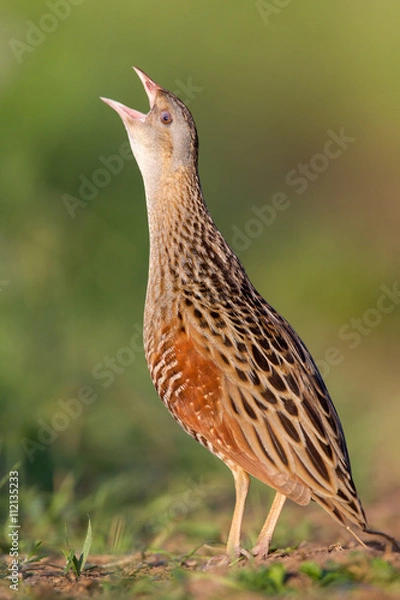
{"points": [[189, 383]]}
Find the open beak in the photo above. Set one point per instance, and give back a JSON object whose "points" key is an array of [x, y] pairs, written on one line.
{"points": [[125, 112]]}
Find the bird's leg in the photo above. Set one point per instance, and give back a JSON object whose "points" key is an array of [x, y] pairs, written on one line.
{"points": [[242, 482], [264, 539]]}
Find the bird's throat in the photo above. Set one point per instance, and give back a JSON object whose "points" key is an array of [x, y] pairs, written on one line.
{"points": [[176, 215], [177, 201]]}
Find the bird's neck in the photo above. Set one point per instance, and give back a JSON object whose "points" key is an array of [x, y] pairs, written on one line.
{"points": [[189, 257], [174, 210], [187, 251], [178, 223]]}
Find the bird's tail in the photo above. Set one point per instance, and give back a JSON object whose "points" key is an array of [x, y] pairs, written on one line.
{"points": [[387, 537], [344, 512]]}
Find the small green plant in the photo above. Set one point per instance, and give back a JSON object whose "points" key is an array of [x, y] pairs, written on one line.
{"points": [[270, 580], [72, 561], [383, 572], [361, 569], [331, 573], [33, 555]]}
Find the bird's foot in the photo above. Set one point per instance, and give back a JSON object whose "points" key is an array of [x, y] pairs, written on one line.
{"points": [[228, 559], [260, 552]]}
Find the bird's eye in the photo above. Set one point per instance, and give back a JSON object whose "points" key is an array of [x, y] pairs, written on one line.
{"points": [[166, 117]]}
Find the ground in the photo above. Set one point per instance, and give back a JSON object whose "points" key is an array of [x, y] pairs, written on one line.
{"points": [[342, 570]]}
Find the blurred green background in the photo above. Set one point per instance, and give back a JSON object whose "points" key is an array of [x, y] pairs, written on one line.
{"points": [[265, 83]]}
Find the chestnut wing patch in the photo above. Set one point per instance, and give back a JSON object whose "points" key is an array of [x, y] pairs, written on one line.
{"points": [[206, 407]]}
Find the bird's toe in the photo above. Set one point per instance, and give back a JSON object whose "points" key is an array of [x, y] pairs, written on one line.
{"points": [[228, 559], [260, 552]]}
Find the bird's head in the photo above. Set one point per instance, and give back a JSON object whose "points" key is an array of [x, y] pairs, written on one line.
{"points": [[164, 139]]}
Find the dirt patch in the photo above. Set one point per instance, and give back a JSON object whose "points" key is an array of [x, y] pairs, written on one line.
{"points": [[374, 571], [314, 569]]}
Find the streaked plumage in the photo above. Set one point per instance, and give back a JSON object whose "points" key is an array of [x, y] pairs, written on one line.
{"points": [[229, 368]]}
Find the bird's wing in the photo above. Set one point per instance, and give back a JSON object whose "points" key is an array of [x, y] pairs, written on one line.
{"points": [[278, 419]]}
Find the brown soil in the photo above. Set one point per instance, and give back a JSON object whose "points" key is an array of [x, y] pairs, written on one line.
{"points": [[45, 579]]}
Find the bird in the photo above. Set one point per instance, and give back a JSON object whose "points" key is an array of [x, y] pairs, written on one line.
{"points": [[229, 368]]}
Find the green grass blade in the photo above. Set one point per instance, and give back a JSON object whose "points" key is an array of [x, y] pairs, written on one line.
{"points": [[87, 544]]}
